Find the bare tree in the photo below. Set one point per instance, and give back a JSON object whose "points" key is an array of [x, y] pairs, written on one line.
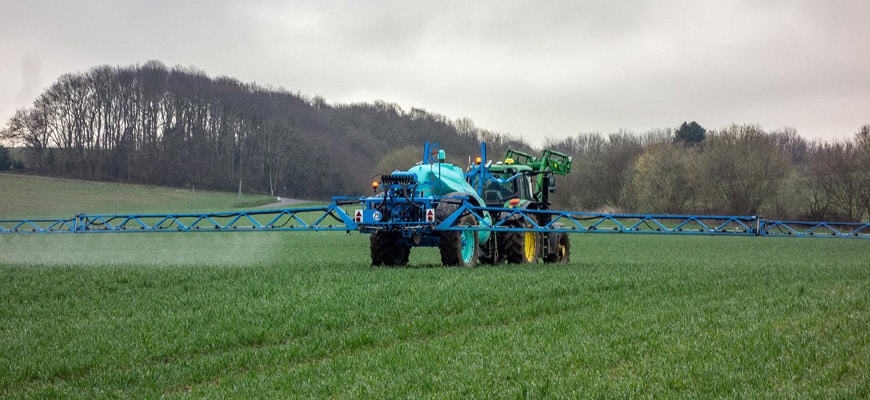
{"points": [[838, 174], [663, 179], [741, 167], [862, 142]]}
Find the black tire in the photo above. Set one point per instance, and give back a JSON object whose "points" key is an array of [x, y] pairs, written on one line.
{"points": [[446, 207], [522, 247], [562, 253], [460, 248], [387, 249]]}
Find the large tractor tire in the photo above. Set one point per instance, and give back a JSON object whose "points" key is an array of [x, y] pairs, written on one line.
{"points": [[460, 248], [562, 253], [522, 247], [387, 249]]}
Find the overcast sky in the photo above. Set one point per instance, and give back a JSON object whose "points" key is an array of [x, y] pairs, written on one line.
{"points": [[532, 69]]}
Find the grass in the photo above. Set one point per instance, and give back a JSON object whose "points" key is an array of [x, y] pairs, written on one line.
{"points": [[303, 315], [26, 196]]}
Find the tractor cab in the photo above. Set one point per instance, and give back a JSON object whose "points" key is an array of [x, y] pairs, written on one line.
{"points": [[504, 182], [519, 176], [520, 181]]}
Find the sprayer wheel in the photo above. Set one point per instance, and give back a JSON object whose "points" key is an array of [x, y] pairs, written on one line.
{"points": [[460, 248], [563, 250], [387, 249]]}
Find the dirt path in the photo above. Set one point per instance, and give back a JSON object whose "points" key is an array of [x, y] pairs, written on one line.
{"points": [[284, 202]]}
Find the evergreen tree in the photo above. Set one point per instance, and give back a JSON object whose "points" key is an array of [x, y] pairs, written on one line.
{"points": [[690, 133]]}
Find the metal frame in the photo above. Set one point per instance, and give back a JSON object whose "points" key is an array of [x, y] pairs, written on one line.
{"points": [[326, 218], [334, 217], [720, 225], [584, 222], [816, 229]]}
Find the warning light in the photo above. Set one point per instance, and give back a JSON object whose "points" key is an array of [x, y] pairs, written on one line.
{"points": [[375, 185], [514, 202], [478, 160], [509, 161]]}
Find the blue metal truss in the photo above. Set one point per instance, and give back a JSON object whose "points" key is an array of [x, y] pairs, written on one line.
{"points": [[816, 229], [336, 217], [585, 222], [326, 218]]}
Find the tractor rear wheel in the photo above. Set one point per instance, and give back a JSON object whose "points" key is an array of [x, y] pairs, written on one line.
{"points": [[387, 249], [522, 247], [460, 248], [562, 252]]}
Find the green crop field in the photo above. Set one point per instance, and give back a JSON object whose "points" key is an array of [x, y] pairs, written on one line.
{"points": [[300, 315], [303, 315], [23, 196]]}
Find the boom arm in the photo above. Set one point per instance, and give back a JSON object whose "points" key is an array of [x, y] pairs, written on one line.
{"points": [[333, 217]]}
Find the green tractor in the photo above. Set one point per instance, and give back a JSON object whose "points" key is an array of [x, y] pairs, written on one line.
{"points": [[521, 181]]}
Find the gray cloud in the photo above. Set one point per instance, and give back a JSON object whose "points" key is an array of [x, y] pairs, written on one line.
{"points": [[31, 76], [551, 69]]}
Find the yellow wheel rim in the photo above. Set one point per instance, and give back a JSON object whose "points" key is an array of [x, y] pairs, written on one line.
{"points": [[531, 247]]}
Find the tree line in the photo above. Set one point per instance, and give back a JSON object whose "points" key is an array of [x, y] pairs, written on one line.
{"points": [[151, 124], [736, 170], [178, 127]]}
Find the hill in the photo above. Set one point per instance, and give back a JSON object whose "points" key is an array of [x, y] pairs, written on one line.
{"points": [[154, 125]]}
